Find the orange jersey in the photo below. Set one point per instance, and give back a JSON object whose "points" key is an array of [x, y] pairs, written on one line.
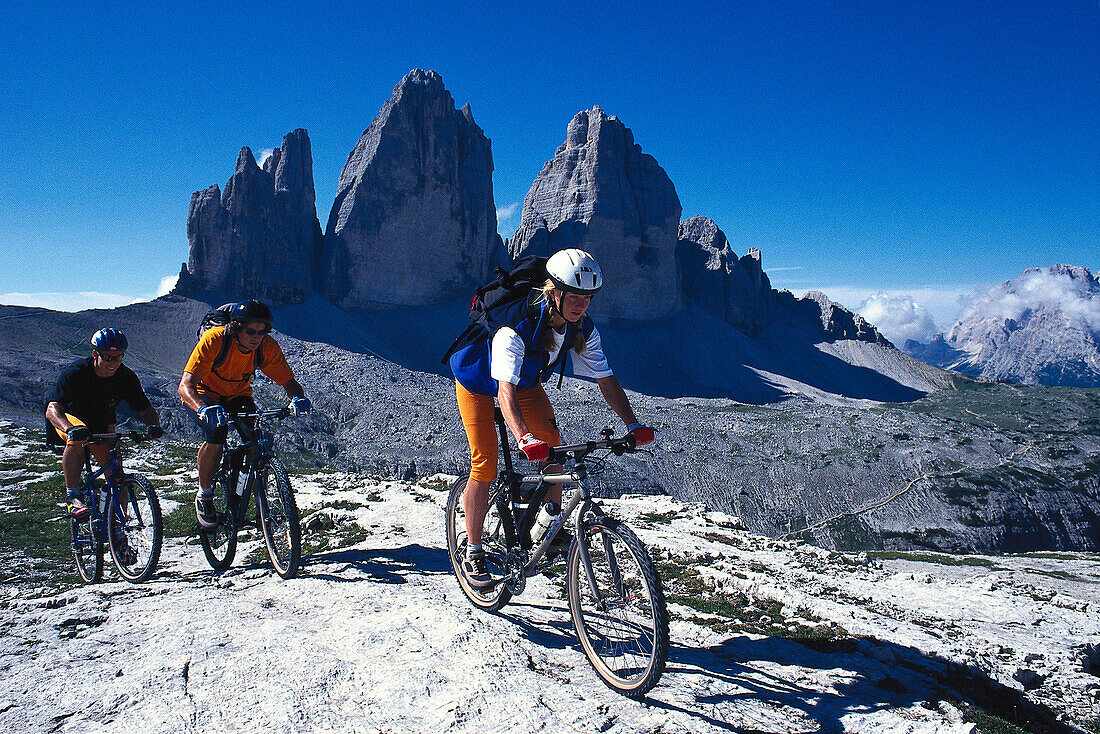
{"points": [[234, 377]]}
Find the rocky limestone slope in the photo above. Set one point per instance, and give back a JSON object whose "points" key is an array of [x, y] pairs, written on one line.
{"points": [[374, 634]]}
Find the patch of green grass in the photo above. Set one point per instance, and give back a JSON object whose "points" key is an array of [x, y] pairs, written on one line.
{"points": [[341, 536], [724, 539], [35, 527], [653, 519], [343, 504], [180, 522], [941, 558], [734, 610], [439, 485]]}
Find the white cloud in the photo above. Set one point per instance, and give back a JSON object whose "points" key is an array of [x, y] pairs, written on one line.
{"points": [[898, 317], [167, 283], [1035, 289], [263, 156], [943, 304], [83, 300]]}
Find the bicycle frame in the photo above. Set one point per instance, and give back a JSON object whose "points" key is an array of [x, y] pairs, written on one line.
{"points": [[256, 449], [576, 476], [110, 473]]}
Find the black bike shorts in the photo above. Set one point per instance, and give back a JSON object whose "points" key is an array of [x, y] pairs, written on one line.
{"points": [[241, 404]]}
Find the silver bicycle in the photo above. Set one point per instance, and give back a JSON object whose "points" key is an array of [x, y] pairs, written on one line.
{"points": [[615, 595]]}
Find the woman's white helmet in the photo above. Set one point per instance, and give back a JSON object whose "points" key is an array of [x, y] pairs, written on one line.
{"points": [[575, 271]]}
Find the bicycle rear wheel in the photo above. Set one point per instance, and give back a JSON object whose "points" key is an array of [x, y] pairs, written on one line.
{"points": [[279, 519], [618, 607], [134, 529], [87, 550], [492, 538], [219, 543]]}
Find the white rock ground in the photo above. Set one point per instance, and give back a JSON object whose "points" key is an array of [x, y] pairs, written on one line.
{"points": [[377, 637]]}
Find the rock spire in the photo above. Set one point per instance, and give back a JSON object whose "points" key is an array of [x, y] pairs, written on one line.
{"points": [[601, 193], [414, 220], [735, 290], [260, 238]]}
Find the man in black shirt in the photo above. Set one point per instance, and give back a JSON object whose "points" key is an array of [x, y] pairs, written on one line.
{"points": [[84, 401]]}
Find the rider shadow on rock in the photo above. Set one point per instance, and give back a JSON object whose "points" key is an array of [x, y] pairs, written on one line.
{"points": [[385, 565], [867, 676]]}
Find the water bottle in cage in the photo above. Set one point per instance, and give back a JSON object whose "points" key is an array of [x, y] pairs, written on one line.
{"points": [[547, 514]]}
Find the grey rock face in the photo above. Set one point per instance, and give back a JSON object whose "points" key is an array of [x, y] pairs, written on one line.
{"points": [[261, 237], [939, 353], [414, 220], [1041, 328], [602, 194], [736, 291], [831, 319]]}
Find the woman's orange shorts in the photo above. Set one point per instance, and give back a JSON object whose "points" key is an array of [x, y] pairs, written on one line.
{"points": [[481, 429]]}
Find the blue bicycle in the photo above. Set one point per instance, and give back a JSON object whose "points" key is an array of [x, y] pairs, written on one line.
{"points": [[125, 516]]}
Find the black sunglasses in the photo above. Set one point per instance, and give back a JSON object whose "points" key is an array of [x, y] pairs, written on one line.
{"points": [[256, 332], [111, 357]]}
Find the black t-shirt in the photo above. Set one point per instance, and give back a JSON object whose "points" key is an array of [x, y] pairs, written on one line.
{"points": [[93, 399]]}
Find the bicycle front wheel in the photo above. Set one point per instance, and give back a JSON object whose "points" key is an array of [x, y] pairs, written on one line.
{"points": [[219, 543], [279, 519], [492, 539], [618, 607], [87, 550], [135, 531]]}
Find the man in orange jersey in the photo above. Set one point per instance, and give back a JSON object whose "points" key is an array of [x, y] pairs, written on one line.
{"points": [[218, 380]]}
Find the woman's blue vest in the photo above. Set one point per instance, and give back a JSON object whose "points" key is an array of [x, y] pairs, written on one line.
{"points": [[470, 364]]}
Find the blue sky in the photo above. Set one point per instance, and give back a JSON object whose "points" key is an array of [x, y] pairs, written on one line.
{"points": [[905, 147]]}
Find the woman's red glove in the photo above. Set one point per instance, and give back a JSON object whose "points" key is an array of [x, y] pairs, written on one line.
{"points": [[642, 434], [535, 449]]}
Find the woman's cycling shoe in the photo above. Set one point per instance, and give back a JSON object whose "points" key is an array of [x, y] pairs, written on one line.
{"points": [[476, 571]]}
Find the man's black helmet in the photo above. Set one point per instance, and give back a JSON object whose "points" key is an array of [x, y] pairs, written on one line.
{"points": [[251, 310]]}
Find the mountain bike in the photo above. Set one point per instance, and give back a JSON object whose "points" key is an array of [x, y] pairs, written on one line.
{"points": [[615, 595], [125, 516], [250, 466]]}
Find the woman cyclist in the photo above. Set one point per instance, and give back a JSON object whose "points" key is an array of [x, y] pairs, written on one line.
{"points": [[511, 366]]}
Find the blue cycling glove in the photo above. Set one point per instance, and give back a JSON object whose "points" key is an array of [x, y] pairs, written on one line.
{"points": [[213, 416], [300, 405]]}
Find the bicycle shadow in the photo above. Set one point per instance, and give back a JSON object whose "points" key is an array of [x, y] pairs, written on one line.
{"points": [[383, 565], [822, 683], [855, 678]]}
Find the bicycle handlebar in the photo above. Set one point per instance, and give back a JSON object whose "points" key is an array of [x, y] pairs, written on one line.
{"points": [[617, 446], [135, 436], [280, 413]]}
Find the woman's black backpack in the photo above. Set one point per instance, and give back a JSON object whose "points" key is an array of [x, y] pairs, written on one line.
{"points": [[510, 287]]}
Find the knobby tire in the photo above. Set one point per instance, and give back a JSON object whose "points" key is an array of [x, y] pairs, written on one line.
{"points": [[87, 550], [139, 528], [279, 519], [494, 598], [623, 627], [219, 543]]}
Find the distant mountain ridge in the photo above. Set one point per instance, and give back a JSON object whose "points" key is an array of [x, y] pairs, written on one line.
{"points": [[414, 223], [1040, 328]]}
